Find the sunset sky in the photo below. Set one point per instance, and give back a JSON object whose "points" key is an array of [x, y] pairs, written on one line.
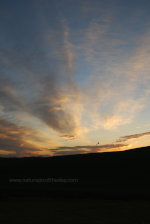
{"points": [[74, 73]]}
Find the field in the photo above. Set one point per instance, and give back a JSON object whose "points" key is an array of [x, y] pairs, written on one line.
{"points": [[85, 211], [109, 188]]}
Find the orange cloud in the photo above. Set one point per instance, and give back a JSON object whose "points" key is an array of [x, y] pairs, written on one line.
{"points": [[13, 140]]}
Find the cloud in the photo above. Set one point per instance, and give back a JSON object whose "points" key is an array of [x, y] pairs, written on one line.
{"points": [[63, 49], [55, 103], [42, 83], [118, 82], [134, 136], [70, 75], [123, 113], [9, 97], [54, 107], [13, 140], [64, 150]]}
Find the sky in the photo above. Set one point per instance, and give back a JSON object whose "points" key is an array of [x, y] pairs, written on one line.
{"points": [[74, 76]]}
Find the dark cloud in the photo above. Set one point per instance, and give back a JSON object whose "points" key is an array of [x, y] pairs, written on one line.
{"points": [[61, 153], [59, 120], [65, 150], [128, 137], [50, 107], [40, 84], [9, 97], [12, 139]]}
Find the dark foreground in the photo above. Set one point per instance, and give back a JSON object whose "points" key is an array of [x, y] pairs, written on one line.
{"points": [[73, 211], [93, 188]]}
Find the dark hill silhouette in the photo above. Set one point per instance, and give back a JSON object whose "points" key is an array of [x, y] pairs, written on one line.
{"points": [[112, 174]]}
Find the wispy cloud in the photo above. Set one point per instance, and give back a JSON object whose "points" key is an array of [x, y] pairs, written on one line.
{"points": [[10, 100], [123, 113], [117, 90], [134, 136], [13, 140], [87, 149], [49, 94]]}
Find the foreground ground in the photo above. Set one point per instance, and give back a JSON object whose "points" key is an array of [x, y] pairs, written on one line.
{"points": [[54, 210], [111, 188]]}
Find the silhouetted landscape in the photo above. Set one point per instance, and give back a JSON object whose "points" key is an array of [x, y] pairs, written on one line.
{"points": [[116, 174], [92, 184]]}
